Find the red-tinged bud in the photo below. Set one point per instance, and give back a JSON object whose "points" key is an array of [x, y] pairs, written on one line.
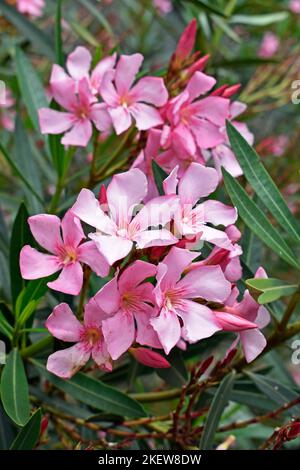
{"points": [[294, 430], [219, 91], [199, 65], [149, 358], [102, 196], [44, 425], [229, 357], [231, 322], [186, 42], [232, 90], [205, 365]]}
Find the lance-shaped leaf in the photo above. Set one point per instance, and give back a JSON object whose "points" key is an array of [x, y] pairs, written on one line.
{"points": [[259, 20], [159, 176], [14, 389], [262, 183], [29, 435], [257, 221], [269, 290]]}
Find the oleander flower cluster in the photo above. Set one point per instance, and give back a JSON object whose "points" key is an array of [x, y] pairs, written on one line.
{"points": [[168, 253]]}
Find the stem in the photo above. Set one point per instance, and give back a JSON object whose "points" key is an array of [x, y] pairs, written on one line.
{"points": [[117, 151], [290, 309], [84, 290], [35, 348], [93, 169], [61, 181]]}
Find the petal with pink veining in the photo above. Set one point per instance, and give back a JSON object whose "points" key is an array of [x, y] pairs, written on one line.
{"points": [[67, 362], [136, 273], [168, 328], [148, 238], [112, 247], [145, 116], [108, 297], [70, 280], [126, 70], [217, 213], [63, 324], [79, 63], [253, 343], [46, 230], [89, 254], [34, 265], [54, 122], [150, 90], [79, 135], [199, 84], [198, 321], [100, 117], [119, 333], [198, 181], [121, 118], [72, 230]]}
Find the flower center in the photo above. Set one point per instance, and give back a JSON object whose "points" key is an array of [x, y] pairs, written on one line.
{"points": [[92, 336], [68, 255], [122, 232], [131, 301]]}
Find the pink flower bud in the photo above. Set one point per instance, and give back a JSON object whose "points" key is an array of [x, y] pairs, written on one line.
{"points": [[44, 425], [149, 358], [231, 90], [102, 197], [199, 65], [186, 42]]}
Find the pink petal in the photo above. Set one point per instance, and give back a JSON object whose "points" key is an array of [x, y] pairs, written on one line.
{"points": [[198, 181], [148, 238], [124, 192], [233, 271], [170, 183], [72, 230], [177, 260], [46, 230], [216, 237], [100, 117], [247, 308], [89, 254], [112, 247], [183, 141], [168, 329], [198, 321], [145, 116], [67, 362], [199, 84], [217, 213], [108, 91], [54, 122], [157, 211], [263, 317], [253, 343], [207, 282], [224, 157], [58, 74], [150, 90], [88, 209], [101, 356], [101, 69], [136, 273], [231, 322], [79, 135], [121, 118], [146, 335], [69, 281], [93, 314], [34, 265], [79, 63], [208, 135], [63, 324], [85, 95], [118, 343], [64, 93], [212, 108], [126, 70], [108, 297]]}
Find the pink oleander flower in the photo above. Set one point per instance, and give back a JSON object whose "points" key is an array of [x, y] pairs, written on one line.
{"points": [[88, 337], [195, 124], [269, 46], [120, 229], [63, 239], [163, 6], [191, 218], [180, 315], [129, 304], [7, 111], [252, 340], [294, 6], [139, 102], [33, 8], [83, 110], [228, 260], [222, 154], [78, 66]]}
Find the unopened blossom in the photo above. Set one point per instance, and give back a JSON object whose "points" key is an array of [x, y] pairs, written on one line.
{"points": [[269, 45], [129, 304], [82, 111], [149, 358], [120, 229], [186, 43], [63, 240], [88, 337], [180, 315], [127, 101], [191, 218], [78, 66], [33, 8]]}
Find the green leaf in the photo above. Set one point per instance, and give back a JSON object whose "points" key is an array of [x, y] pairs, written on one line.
{"points": [[19, 173], [58, 35], [159, 176], [21, 236], [275, 391], [31, 88], [208, 6], [29, 435], [14, 389], [5, 328], [226, 29], [94, 393], [269, 290], [35, 290], [216, 409], [257, 221], [259, 20], [177, 374], [84, 34], [96, 13], [38, 38], [7, 433], [262, 183]]}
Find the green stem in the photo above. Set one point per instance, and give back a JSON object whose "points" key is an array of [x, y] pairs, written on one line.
{"points": [[84, 290], [61, 181], [117, 151], [35, 348], [289, 310]]}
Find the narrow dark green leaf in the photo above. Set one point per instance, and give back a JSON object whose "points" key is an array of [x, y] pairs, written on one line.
{"points": [[7, 432], [35, 290], [96, 13], [29, 435], [275, 391], [19, 173], [216, 409], [14, 389], [270, 289], [206, 5], [257, 221], [262, 183], [58, 35], [31, 88], [177, 374], [21, 236], [84, 33], [94, 393], [159, 176], [39, 40], [5, 328]]}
